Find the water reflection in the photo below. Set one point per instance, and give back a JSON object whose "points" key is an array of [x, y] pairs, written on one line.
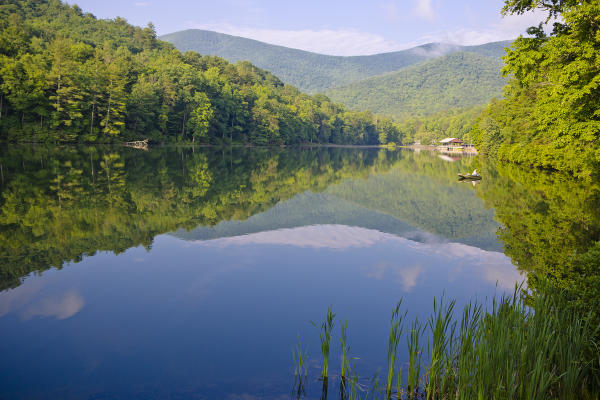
{"points": [[190, 272]]}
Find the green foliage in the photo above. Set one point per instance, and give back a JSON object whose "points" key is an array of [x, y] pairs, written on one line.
{"points": [[459, 80], [313, 72], [504, 350], [66, 76], [550, 229], [550, 116], [431, 129]]}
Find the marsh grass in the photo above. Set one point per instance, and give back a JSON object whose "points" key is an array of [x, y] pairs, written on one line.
{"points": [[498, 350], [394, 339], [300, 357], [325, 336], [345, 350]]}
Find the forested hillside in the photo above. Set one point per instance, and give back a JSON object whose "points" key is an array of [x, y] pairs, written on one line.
{"points": [[67, 76], [458, 80], [550, 114], [313, 72]]}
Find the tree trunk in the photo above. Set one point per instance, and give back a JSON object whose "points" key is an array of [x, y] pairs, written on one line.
{"points": [[1, 103], [92, 119], [106, 125]]}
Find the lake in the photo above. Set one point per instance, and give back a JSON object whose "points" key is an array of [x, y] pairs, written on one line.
{"points": [[190, 272]]}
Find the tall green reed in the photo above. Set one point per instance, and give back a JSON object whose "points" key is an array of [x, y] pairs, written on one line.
{"points": [[394, 338], [502, 349], [415, 352], [325, 337], [440, 353], [345, 349]]}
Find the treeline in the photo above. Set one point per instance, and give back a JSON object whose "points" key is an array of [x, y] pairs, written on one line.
{"points": [[66, 76], [550, 114], [427, 130]]}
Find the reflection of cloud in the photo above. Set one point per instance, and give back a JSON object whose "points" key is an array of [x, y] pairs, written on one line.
{"points": [[491, 266], [59, 307], [377, 271], [408, 276], [315, 236], [17, 297], [494, 266]]}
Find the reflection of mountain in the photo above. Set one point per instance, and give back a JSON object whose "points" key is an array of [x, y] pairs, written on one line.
{"points": [[59, 205], [410, 206]]}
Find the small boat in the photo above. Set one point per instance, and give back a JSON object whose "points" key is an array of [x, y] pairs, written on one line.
{"points": [[474, 176]]}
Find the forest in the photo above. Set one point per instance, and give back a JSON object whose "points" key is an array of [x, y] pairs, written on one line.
{"points": [[66, 76], [549, 116], [459, 80]]}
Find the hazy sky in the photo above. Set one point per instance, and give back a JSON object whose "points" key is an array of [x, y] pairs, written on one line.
{"points": [[336, 27]]}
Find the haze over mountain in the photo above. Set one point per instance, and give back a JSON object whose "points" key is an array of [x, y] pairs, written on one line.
{"points": [[312, 72]]}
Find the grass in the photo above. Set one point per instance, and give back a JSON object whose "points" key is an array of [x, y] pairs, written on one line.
{"points": [[395, 334], [345, 349], [325, 336], [506, 350]]}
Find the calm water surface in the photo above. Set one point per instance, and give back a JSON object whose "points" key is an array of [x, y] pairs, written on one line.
{"points": [[189, 273]]}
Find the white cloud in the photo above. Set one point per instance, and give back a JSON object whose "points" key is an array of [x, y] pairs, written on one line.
{"points": [[424, 9], [347, 42], [509, 27], [343, 42]]}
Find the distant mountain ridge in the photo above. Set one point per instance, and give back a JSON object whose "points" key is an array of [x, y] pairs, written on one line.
{"points": [[312, 72], [458, 80]]}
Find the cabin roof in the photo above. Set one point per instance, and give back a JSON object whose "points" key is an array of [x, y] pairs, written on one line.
{"points": [[451, 140]]}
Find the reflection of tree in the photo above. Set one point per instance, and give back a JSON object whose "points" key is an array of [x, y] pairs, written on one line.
{"points": [[551, 228], [60, 204]]}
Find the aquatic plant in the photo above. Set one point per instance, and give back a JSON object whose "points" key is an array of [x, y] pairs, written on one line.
{"points": [[394, 338], [440, 353], [325, 337], [504, 349], [300, 356], [345, 349], [415, 352]]}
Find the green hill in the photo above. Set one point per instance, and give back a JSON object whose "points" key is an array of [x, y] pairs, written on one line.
{"points": [[458, 80], [314, 72]]}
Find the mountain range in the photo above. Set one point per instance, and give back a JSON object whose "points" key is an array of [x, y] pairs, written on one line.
{"points": [[312, 72]]}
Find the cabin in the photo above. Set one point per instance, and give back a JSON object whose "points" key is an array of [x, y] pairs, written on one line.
{"points": [[450, 145], [451, 142]]}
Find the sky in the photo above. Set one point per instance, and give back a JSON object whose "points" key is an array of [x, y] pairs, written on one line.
{"points": [[336, 27]]}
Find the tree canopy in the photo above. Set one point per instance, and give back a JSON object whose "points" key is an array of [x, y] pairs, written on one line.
{"points": [[66, 76], [550, 114]]}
